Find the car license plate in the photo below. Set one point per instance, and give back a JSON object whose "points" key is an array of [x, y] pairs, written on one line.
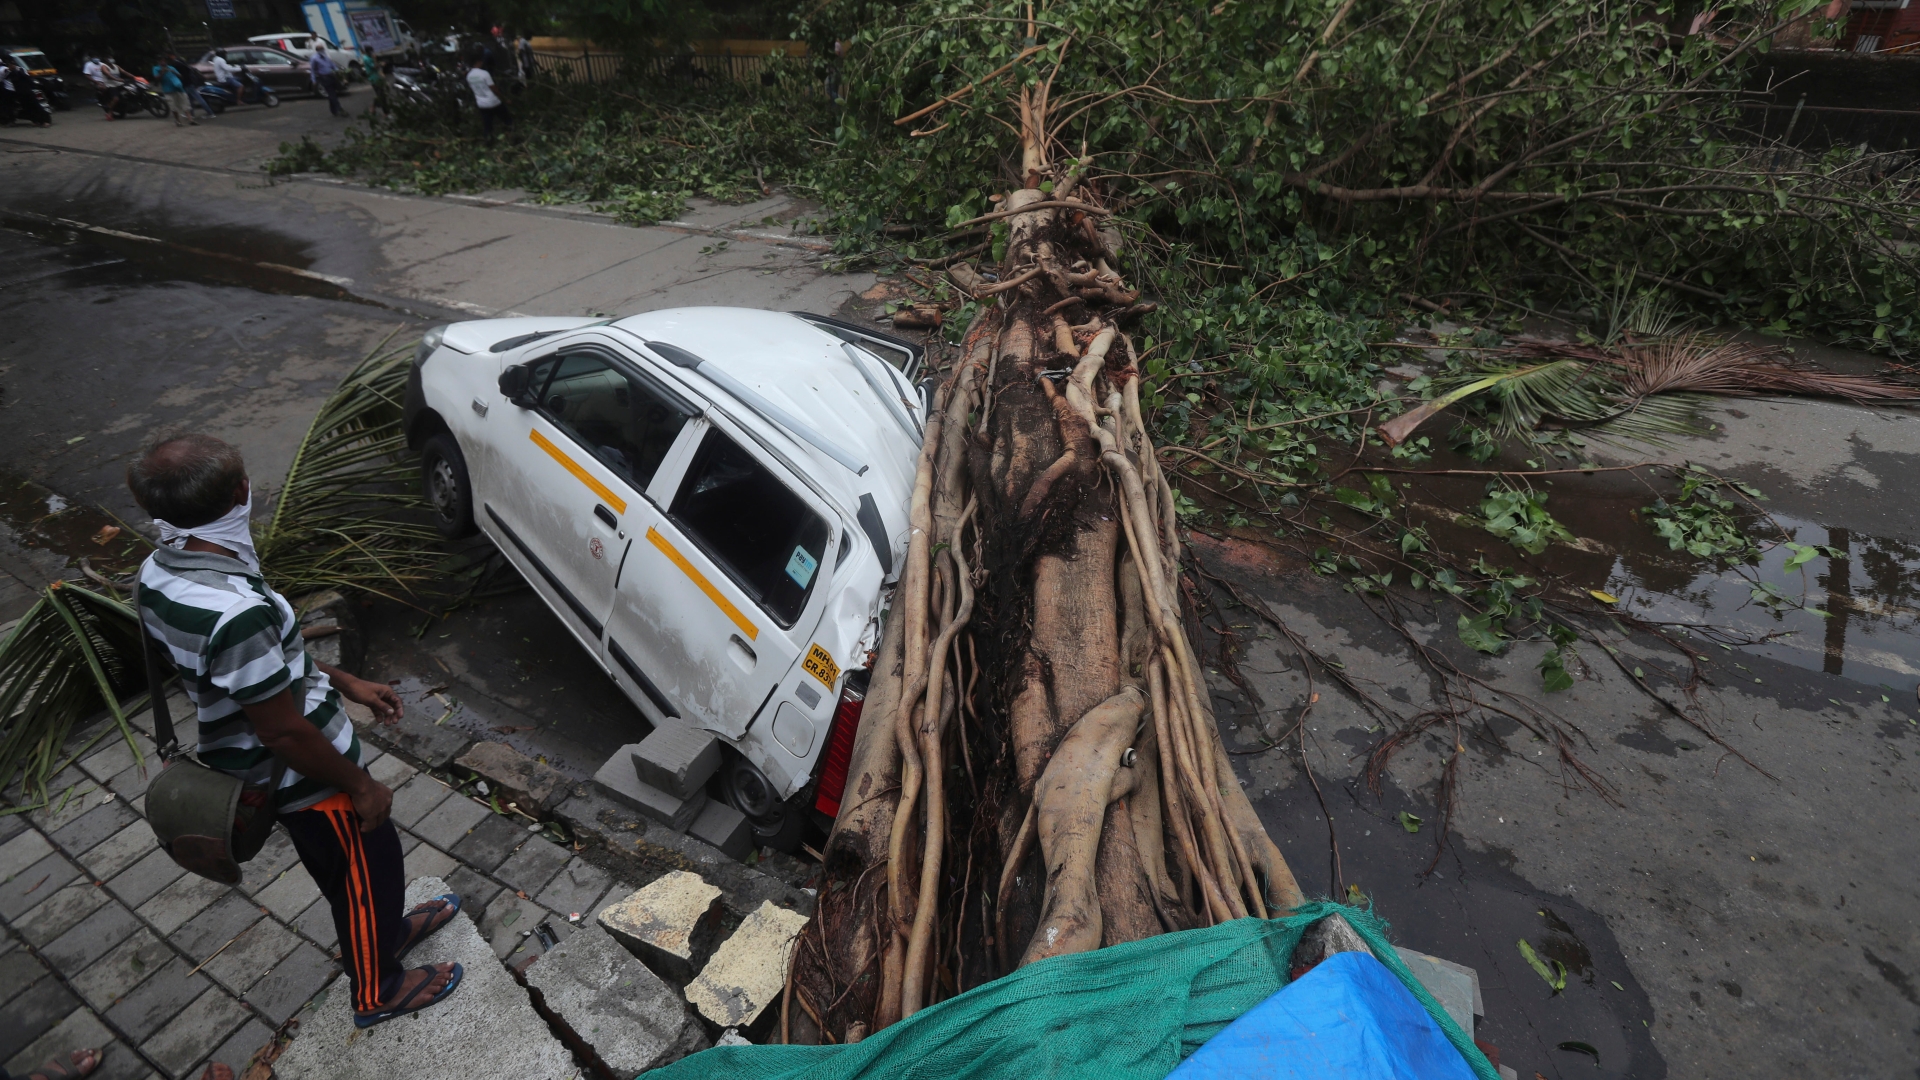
{"points": [[821, 666]]}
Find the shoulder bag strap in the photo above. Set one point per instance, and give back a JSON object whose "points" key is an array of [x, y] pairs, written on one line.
{"points": [[163, 737]]}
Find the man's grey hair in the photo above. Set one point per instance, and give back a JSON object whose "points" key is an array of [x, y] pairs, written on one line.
{"points": [[186, 479]]}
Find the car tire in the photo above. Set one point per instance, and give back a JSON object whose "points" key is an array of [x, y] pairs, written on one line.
{"points": [[270, 99], [780, 825], [444, 482]]}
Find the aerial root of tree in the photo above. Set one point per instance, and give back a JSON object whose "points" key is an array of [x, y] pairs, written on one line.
{"points": [[1037, 771]]}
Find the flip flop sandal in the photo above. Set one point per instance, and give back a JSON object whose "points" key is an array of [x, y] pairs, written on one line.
{"points": [[55, 1068], [452, 909], [406, 1004]]}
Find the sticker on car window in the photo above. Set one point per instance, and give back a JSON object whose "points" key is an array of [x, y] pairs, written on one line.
{"points": [[801, 567]]}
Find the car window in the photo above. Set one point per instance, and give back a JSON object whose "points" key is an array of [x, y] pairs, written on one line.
{"points": [[763, 535], [620, 419], [271, 59]]}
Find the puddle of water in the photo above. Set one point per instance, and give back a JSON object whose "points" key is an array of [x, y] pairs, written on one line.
{"points": [[34, 517], [1867, 634]]}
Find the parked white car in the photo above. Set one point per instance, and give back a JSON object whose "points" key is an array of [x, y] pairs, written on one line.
{"points": [[302, 44], [712, 500]]}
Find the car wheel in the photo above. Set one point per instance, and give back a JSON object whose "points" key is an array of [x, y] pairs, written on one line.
{"points": [[443, 476], [270, 99], [780, 825]]}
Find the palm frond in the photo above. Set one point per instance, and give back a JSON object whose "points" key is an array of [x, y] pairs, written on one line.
{"points": [[66, 659]]}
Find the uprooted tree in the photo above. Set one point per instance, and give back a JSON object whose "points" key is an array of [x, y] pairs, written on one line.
{"points": [[1038, 770]]}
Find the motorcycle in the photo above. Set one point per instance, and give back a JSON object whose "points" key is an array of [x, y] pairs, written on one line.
{"points": [[137, 94], [220, 98], [27, 103]]}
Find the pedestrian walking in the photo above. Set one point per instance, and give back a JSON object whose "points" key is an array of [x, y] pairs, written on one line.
{"points": [[377, 72], [270, 714], [190, 79], [326, 79], [524, 49], [492, 109], [168, 82]]}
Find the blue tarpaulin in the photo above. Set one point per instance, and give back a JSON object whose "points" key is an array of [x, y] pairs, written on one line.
{"points": [[1347, 1019]]}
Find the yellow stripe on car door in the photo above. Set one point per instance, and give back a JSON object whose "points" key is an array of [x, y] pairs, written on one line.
{"points": [[673, 553], [606, 493]]}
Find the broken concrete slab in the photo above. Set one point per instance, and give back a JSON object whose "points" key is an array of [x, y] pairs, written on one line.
{"points": [[1454, 986], [622, 1013], [533, 786], [487, 1027], [660, 923], [749, 969], [725, 828], [618, 779], [677, 758]]}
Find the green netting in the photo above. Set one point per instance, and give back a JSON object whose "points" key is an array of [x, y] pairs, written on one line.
{"points": [[1129, 1012]]}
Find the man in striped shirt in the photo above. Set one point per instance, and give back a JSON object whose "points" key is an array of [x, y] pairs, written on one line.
{"points": [[261, 699]]}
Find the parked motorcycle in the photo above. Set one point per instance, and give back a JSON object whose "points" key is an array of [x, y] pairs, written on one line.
{"points": [[27, 103], [220, 98]]}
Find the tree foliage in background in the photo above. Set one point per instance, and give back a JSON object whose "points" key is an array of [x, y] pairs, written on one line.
{"points": [[1345, 151]]}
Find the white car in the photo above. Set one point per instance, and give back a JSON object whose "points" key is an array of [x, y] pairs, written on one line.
{"points": [[303, 45], [712, 500]]}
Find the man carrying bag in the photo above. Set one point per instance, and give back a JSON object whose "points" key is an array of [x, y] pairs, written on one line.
{"points": [[271, 720]]}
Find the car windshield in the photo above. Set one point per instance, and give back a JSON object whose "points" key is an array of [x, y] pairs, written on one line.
{"points": [[34, 61]]}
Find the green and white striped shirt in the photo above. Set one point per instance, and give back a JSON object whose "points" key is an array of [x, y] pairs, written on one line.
{"points": [[237, 642]]}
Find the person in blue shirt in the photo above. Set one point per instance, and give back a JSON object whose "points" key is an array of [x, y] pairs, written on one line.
{"points": [[175, 91], [326, 79]]}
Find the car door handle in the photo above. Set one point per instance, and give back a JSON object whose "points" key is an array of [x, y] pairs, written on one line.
{"points": [[606, 515]]}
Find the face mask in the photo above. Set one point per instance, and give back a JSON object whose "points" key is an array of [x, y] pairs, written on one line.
{"points": [[232, 530]]}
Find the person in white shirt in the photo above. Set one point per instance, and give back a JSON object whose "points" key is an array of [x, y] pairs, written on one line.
{"points": [[492, 109], [225, 73], [106, 84]]}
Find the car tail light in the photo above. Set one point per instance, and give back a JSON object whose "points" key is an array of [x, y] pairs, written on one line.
{"points": [[838, 756]]}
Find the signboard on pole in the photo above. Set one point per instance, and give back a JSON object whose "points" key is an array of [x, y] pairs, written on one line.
{"points": [[220, 9], [373, 28]]}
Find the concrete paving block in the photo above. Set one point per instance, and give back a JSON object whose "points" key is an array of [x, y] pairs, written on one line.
{"points": [[660, 922], [186, 1040], [426, 860], [275, 856], [119, 851], [67, 799], [676, 758], [188, 896], [576, 888], [252, 955], [490, 842], [80, 1028], [390, 770], [1455, 987], [536, 863], [416, 798], [317, 924], [90, 938], [19, 970], [475, 890], [616, 778], [533, 786], [158, 999], [289, 894], [488, 1027], [114, 757], [138, 883], [27, 1015], [126, 966], [62, 911], [35, 885], [21, 852], [422, 739], [725, 828], [408, 841], [511, 924], [450, 821], [240, 1046], [205, 933], [749, 969], [282, 991], [12, 825], [104, 820], [131, 782], [630, 1019]]}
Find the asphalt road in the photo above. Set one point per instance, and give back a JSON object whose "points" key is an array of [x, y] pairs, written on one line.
{"points": [[1715, 917]]}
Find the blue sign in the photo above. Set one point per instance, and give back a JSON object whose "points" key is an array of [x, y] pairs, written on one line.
{"points": [[220, 9], [801, 567]]}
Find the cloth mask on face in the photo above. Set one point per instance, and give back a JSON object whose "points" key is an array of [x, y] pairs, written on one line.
{"points": [[232, 530]]}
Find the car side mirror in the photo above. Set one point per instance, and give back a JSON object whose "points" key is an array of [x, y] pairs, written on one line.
{"points": [[515, 383]]}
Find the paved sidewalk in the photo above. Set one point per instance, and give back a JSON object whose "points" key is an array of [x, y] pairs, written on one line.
{"points": [[110, 944]]}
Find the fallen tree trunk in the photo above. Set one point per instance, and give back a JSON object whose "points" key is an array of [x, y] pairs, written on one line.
{"points": [[1037, 771]]}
